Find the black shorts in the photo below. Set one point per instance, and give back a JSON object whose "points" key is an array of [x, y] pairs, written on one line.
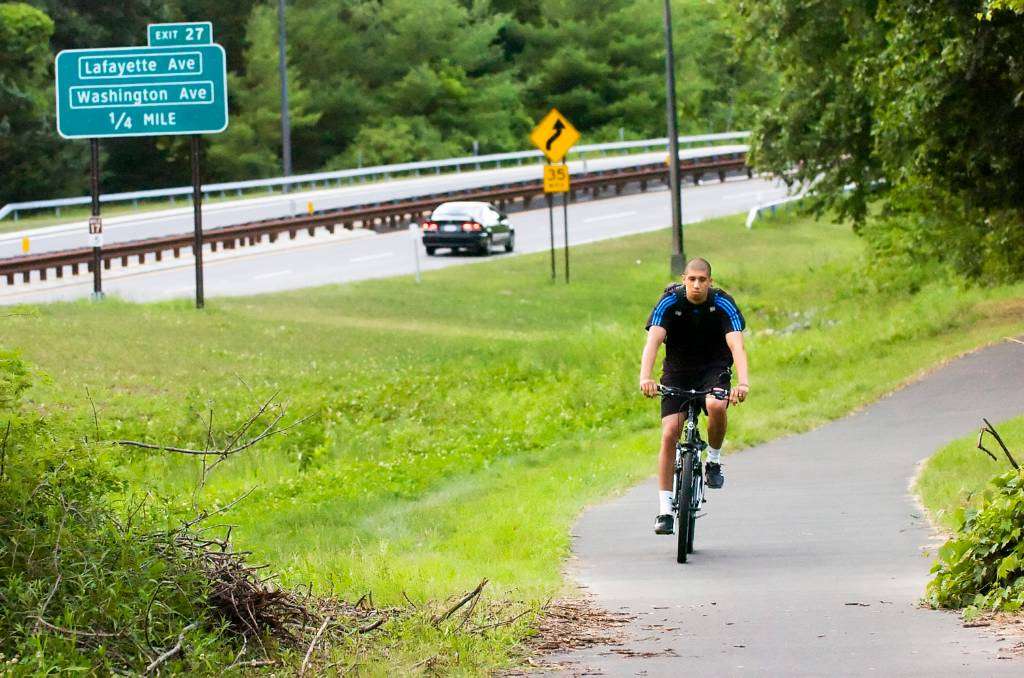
{"points": [[700, 378]]}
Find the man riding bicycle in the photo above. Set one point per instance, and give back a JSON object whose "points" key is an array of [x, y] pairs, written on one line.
{"points": [[702, 329]]}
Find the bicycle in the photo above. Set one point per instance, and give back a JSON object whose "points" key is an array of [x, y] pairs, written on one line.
{"points": [[688, 477]]}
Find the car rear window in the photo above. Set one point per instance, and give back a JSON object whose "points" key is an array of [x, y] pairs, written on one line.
{"points": [[462, 213]]}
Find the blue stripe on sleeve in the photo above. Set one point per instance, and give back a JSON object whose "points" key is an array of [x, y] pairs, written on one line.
{"points": [[732, 311], [659, 311]]}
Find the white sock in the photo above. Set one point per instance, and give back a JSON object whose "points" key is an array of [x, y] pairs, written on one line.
{"points": [[714, 455], [664, 502]]}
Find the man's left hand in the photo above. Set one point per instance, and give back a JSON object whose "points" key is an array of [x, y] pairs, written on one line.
{"points": [[739, 394]]}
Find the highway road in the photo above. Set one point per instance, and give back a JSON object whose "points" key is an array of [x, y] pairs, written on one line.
{"points": [[358, 255], [813, 557], [217, 214]]}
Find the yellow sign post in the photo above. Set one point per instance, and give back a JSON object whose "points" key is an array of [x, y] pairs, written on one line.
{"points": [[556, 178], [554, 136]]}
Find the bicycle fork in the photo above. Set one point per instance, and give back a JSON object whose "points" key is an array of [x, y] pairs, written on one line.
{"points": [[698, 478]]}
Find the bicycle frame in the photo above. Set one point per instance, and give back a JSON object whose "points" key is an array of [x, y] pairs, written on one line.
{"points": [[694, 443]]}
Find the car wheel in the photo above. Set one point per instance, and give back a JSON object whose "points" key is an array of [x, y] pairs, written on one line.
{"points": [[430, 251], [510, 244], [485, 248]]}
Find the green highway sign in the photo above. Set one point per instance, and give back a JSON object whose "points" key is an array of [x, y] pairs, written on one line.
{"points": [[194, 33], [142, 91]]}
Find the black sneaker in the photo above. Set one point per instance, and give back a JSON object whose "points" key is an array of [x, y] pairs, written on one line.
{"points": [[714, 476], [663, 524]]}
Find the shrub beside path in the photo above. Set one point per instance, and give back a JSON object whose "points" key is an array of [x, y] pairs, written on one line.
{"points": [[813, 559]]}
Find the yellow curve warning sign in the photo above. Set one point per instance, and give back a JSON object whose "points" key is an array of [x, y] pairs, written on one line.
{"points": [[554, 136]]}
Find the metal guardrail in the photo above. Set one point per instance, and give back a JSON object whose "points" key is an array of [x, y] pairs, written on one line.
{"points": [[362, 174], [756, 210], [384, 216]]}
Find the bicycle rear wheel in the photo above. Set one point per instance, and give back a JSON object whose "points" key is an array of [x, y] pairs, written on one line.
{"points": [[684, 483]]}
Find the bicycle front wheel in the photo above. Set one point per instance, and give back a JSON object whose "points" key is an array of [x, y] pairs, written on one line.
{"points": [[692, 527], [684, 531]]}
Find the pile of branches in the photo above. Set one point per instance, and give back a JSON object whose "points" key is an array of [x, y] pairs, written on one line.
{"points": [[247, 597], [265, 615]]}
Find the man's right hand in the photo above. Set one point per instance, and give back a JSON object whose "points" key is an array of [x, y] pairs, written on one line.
{"points": [[649, 387]]}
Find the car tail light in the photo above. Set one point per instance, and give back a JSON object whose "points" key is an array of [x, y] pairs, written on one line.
{"points": [[429, 226], [471, 226]]}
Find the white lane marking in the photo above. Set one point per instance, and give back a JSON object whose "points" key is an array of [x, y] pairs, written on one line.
{"points": [[264, 276], [371, 257], [606, 217]]}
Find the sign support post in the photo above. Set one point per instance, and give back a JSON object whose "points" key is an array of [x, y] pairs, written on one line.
{"points": [[565, 225], [551, 228], [197, 211], [95, 223]]}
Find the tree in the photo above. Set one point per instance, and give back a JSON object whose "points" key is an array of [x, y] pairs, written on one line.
{"points": [[251, 146], [950, 129], [602, 64], [34, 162], [916, 103], [992, 6], [437, 62], [820, 128]]}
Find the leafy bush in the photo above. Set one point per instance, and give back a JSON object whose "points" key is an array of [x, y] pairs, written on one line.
{"points": [[83, 586], [14, 379], [982, 566]]}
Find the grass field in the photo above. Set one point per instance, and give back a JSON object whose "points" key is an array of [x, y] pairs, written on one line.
{"points": [[460, 425], [957, 474]]}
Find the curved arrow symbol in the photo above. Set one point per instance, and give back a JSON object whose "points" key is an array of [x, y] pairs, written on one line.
{"points": [[559, 126]]}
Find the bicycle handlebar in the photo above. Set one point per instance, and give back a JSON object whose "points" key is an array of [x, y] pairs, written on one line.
{"points": [[715, 392]]}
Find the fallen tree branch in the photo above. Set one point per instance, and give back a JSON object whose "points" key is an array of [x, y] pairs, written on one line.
{"points": [[505, 622], [995, 434], [234, 441], [173, 651], [465, 599], [371, 627], [312, 644], [3, 450], [73, 632], [95, 416]]}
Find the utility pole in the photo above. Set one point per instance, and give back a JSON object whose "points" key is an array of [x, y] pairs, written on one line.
{"points": [[678, 259], [286, 124]]}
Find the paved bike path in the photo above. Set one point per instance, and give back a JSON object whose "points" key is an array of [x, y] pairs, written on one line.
{"points": [[805, 526]]}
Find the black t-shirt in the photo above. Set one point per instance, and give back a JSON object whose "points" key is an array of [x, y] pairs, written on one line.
{"points": [[696, 332]]}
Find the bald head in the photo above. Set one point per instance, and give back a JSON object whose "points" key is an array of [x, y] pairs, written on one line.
{"points": [[698, 265]]}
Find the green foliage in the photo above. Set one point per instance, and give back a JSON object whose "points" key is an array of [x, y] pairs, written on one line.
{"points": [[1010, 5], [24, 33], [982, 566], [31, 154], [915, 101], [72, 565], [604, 84], [251, 146], [820, 127], [14, 379]]}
